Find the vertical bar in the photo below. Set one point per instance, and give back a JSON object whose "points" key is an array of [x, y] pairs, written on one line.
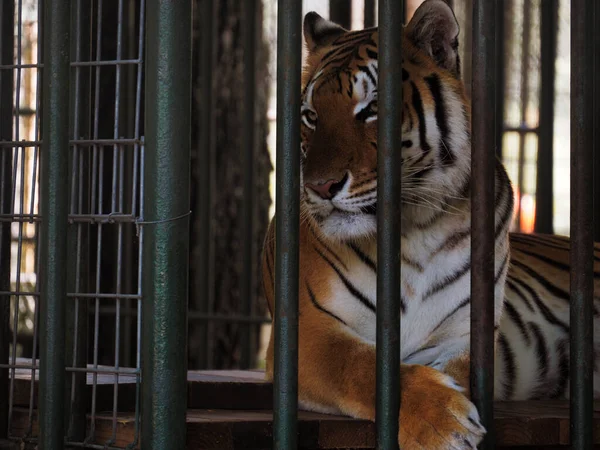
{"points": [[20, 208], [582, 249], [138, 188], [96, 207], [117, 205], [369, 13], [248, 158], [388, 223], [127, 188], [76, 328], [544, 196], [7, 15], [54, 209], [597, 128], [287, 217], [482, 212], [340, 12], [36, 180], [166, 240], [500, 77]]}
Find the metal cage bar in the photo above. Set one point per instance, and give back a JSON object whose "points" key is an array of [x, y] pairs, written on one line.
{"points": [[369, 13], [388, 223], [597, 127], [287, 219], [78, 244], [582, 231], [54, 204], [7, 15], [165, 219], [545, 178], [482, 212], [340, 12]]}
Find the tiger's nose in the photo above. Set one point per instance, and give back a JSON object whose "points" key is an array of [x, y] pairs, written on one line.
{"points": [[327, 190]]}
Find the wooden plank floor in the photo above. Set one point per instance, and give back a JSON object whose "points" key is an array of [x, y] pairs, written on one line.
{"points": [[231, 409]]}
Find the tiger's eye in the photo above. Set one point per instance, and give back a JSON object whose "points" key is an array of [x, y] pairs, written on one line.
{"points": [[310, 117]]}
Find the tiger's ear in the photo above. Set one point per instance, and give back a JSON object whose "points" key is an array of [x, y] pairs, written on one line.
{"points": [[434, 29], [319, 32]]}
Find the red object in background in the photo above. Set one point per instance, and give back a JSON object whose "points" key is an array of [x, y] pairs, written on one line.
{"points": [[525, 207]]}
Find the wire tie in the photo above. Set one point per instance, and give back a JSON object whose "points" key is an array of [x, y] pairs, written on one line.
{"points": [[156, 222]]}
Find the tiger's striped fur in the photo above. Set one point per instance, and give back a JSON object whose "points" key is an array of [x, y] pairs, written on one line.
{"points": [[338, 263]]}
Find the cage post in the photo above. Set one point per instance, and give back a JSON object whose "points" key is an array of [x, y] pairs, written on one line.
{"points": [[54, 209], [287, 217], [388, 223], [582, 231], [249, 26], [482, 212], [7, 15], [166, 225], [545, 179]]}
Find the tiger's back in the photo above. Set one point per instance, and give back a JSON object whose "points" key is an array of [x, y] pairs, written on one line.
{"points": [[532, 357]]}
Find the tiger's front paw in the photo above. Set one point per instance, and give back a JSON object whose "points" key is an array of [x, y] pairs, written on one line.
{"points": [[435, 414]]}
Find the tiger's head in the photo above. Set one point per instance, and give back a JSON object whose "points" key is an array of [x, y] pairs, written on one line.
{"points": [[339, 122]]}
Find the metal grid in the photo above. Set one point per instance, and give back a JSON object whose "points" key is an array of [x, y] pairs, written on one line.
{"points": [[104, 259], [19, 191]]}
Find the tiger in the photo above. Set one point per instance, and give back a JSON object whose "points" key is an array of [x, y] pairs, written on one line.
{"points": [[338, 245]]}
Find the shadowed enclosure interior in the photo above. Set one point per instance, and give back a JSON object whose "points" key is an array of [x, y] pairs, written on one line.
{"points": [[113, 181]]}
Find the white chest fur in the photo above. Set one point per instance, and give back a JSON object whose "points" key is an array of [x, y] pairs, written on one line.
{"points": [[435, 292]]}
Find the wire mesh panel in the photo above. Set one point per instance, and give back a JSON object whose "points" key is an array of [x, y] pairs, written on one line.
{"points": [[103, 264], [19, 211]]}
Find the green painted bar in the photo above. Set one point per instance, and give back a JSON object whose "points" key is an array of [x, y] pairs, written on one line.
{"points": [[54, 189], [166, 203], [388, 223], [287, 216], [582, 224], [483, 120]]}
